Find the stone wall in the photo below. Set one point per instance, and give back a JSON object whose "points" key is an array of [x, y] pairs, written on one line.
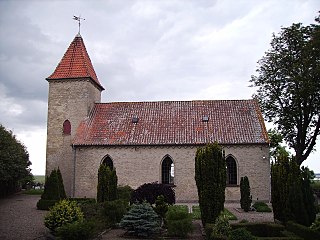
{"points": [[67, 100], [138, 165]]}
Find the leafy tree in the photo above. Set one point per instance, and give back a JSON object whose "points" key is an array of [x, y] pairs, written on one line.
{"points": [[150, 191], [288, 81], [276, 149], [246, 198], [14, 163], [210, 176]]}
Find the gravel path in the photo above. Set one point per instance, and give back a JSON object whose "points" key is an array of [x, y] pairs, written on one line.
{"points": [[20, 219]]}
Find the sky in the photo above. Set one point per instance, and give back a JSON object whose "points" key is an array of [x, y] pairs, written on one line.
{"points": [[141, 51]]}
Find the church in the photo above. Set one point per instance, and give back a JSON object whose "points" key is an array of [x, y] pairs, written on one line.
{"points": [[147, 141]]}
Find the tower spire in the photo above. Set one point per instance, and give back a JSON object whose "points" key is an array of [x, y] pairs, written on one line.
{"points": [[79, 21]]}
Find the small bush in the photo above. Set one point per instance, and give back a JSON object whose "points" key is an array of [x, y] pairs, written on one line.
{"points": [[77, 231], [141, 220], [315, 226], [302, 231], [124, 193], [62, 213], [161, 208], [83, 200], [261, 207], [241, 234], [44, 204], [179, 222], [114, 211], [221, 227]]}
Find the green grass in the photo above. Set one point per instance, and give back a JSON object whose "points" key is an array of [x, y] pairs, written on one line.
{"points": [[180, 207], [39, 178], [197, 214], [261, 207], [33, 191]]}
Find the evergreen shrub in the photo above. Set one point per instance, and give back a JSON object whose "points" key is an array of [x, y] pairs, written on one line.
{"points": [[150, 191], [141, 220], [113, 211], [124, 193], [210, 176], [261, 207], [241, 234], [107, 184], [179, 222], [261, 229], [302, 231], [44, 204], [161, 208], [77, 231], [221, 227], [62, 213], [246, 198]]}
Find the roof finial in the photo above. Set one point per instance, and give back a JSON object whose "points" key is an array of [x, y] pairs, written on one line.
{"points": [[79, 21]]}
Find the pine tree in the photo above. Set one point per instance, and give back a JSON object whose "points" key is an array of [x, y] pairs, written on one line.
{"points": [[62, 191], [102, 184], [210, 176], [246, 198], [53, 188], [141, 220]]}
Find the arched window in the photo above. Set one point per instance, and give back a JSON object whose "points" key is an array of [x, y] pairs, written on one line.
{"points": [[167, 171], [67, 127], [231, 171], [108, 162]]}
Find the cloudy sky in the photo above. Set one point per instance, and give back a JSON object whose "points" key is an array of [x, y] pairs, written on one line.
{"points": [[141, 51]]}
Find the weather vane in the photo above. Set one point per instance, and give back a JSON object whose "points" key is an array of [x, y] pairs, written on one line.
{"points": [[79, 20]]}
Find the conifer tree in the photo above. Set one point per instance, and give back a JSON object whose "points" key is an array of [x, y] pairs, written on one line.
{"points": [[210, 176], [62, 191], [53, 188], [246, 198], [107, 184]]}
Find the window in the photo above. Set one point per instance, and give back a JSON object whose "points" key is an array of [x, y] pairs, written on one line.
{"points": [[167, 171], [231, 171], [108, 162], [67, 127]]}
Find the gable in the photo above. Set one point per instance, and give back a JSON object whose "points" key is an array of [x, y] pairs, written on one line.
{"points": [[173, 123]]}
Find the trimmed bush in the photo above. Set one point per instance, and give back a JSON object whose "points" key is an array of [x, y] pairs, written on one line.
{"points": [[246, 198], [302, 231], [77, 231], [114, 211], [62, 213], [44, 204], [261, 207], [161, 208], [150, 191], [179, 222], [241, 234], [83, 200], [141, 220], [210, 176], [261, 229]]}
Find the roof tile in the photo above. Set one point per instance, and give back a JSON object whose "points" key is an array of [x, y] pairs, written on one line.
{"points": [[173, 123]]}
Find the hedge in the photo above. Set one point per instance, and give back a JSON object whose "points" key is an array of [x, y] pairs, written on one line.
{"points": [[261, 229], [302, 231], [44, 204]]}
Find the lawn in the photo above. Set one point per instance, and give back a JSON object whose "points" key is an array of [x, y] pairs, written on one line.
{"points": [[39, 178], [197, 214]]}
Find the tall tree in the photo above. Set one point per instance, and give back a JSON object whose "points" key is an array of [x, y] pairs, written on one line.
{"points": [[14, 163], [210, 176], [288, 81]]}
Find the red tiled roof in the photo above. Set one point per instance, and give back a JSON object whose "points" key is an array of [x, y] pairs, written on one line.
{"points": [[173, 123], [75, 63]]}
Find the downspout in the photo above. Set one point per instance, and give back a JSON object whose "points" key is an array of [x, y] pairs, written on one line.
{"points": [[74, 171]]}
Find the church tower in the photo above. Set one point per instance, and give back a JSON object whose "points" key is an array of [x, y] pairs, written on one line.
{"points": [[73, 90]]}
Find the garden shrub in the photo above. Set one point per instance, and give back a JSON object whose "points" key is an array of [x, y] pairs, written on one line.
{"points": [[107, 184], [141, 220], [261, 229], [113, 211], [246, 198], [302, 231], [62, 213], [77, 231], [124, 193], [161, 208], [316, 225], [261, 207], [44, 204], [208, 230], [150, 191], [241, 234], [221, 227], [83, 200], [179, 222], [210, 176]]}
